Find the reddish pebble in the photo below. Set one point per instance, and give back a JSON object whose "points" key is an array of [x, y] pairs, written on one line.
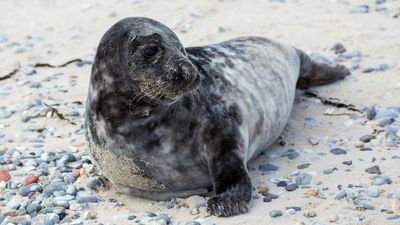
{"points": [[4, 175], [75, 173], [30, 179], [303, 166]]}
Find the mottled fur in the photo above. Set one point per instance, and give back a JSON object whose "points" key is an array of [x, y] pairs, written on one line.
{"points": [[187, 121]]}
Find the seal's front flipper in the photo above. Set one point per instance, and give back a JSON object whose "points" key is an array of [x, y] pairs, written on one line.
{"points": [[313, 73], [232, 186]]}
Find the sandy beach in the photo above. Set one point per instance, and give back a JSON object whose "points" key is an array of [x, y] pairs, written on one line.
{"points": [[341, 147]]}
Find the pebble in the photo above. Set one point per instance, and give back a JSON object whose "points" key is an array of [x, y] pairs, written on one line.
{"points": [[333, 218], [347, 162], [303, 179], [386, 121], [30, 179], [96, 183], [86, 197], [275, 213], [291, 154], [4, 175], [394, 217], [338, 48], [310, 214], [338, 151], [373, 170], [34, 207], [89, 215], [381, 180], [54, 186], [314, 140], [351, 54], [374, 193], [268, 167], [360, 9], [26, 190], [366, 138], [28, 70], [371, 112], [329, 171], [291, 187]]}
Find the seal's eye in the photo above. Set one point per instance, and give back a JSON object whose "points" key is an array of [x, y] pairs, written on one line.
{"points": [[150, 51]]}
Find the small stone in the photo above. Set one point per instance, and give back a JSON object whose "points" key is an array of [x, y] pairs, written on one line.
{"points": [[312, 193], [360, 9], [342, 194], [54, 186], [386, 121], [303, 179], [53, 217], [338, 151], [351, 54], [4, 175], [89, 215], [359, 218], [28, 70], [30, 179], [58, 210], [347, 162], [374, 193], [303, 166], [365, 206], [96, 184], [333, 218], [281, 183], [310, 214], [26, 190], [291, 187], [294, 207], [86, 197], [329, 171], [34, 207], [268, 167], [373, 170], [275, 213], [366, 138], [314, 140], [381, 180], [338, 48], [394, 217], [371, 112]]}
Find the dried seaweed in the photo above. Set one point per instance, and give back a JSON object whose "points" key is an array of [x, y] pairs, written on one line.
{"points": [[54, 111], [332, 102]]}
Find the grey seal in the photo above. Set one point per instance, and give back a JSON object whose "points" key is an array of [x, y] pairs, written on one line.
{"points": [[164, 121]]}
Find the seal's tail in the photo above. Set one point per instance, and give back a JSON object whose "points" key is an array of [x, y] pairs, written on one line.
{"points": [[313, 73]]}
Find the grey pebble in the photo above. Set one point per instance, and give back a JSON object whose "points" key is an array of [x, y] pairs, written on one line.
{"points": [[54, 186], [303, 179], [374, 193], [347, 162], [28, 70], [268, 167], [329, 171], [366, 138], [371, 112], [291, 187], [34, 207], [338, 151], [373, 170], [275, 213], [351, 54], [86, 197], [381, 180], [386, 121], [360, 9], [338, 48], [394, 217], [25, 190]]}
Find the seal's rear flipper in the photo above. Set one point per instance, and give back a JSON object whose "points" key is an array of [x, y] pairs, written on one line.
{"points": [[313, 73]]}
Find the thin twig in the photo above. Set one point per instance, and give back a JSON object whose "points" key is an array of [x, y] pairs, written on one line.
{"points": [[10, 74], [58, 114], [37, 65], [328, 101]]}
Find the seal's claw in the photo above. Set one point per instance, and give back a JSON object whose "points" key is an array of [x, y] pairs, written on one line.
{"points": [[227, 204]]}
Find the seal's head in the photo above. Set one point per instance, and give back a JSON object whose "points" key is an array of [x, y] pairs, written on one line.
{"points": [[144, 58]]}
